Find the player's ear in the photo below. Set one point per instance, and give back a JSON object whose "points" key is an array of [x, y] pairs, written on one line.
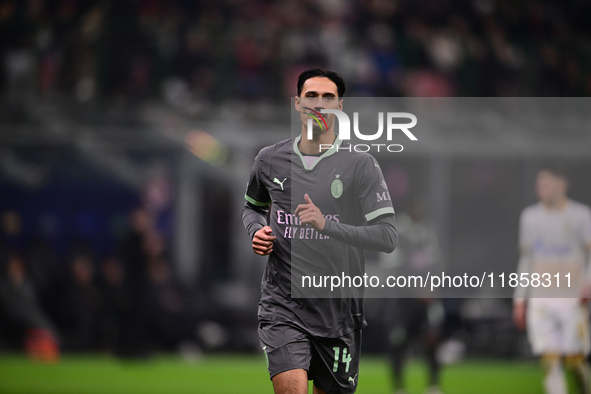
{"points": [[340, 107], [297, 103]]}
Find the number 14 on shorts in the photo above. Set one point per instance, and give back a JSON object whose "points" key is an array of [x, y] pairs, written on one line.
{"points": [[346, 358]]}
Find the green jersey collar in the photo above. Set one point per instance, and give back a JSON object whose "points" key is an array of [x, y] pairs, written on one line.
{"points": [[334, 148]]}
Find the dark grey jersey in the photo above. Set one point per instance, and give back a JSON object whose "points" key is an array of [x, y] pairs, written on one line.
{"points": [[349, 189]]}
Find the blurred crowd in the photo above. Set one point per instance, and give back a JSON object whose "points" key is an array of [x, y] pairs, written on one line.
{"points": [[127, 303], [191, 52]]}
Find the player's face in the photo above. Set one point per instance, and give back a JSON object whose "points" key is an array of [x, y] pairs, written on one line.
{"points": [[318, 93], [550, 188]]}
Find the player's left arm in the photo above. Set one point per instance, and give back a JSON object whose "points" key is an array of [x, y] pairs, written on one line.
{"points": [[371, 193], [379, 234], [586, 293]]}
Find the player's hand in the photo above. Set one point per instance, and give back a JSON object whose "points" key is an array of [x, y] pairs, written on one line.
{"points": [[519, 315], [262, 242], [310, 214]]}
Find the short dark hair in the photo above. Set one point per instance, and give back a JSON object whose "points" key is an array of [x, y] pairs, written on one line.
{"points": [[558, 169], [317, 72]]}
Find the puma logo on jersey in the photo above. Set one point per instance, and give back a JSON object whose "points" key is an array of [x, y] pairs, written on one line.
{"points": [[280, 183], [352, 379]]}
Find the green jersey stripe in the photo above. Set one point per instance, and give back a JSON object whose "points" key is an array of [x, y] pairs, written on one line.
{"points": [[255, 202], [378, 212]]}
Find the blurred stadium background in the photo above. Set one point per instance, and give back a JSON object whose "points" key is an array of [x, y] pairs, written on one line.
{"points": [[127, 132]]}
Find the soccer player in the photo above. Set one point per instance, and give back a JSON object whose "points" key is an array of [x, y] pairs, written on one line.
{"points": [[336, 215], [555, 239]]}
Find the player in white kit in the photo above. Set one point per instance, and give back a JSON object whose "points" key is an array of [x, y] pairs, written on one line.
{"points": [[555, 243]]}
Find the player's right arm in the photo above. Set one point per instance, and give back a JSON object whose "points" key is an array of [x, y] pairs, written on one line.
{"points": [[255, 222], [255, 210], [586, 292], [519, 297]]}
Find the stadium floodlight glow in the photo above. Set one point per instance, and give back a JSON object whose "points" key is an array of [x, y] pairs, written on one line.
{"points": [[345, 124], [206, 147]]}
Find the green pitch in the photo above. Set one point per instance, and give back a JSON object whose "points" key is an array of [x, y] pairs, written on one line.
{"points": [[241, 374]]}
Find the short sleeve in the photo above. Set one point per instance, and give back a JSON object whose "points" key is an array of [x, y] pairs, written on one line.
{"points": [[256, 192], [372, 190]]}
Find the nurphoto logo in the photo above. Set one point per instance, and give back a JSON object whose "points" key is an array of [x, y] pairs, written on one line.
{"points": [[345, 129]]}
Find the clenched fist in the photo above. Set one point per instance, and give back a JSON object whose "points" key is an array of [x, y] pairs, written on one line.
{"points": [[262, 242]]}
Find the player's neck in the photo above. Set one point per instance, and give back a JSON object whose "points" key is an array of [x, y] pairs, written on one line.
{"points": [[312, 147], [559, 203]]}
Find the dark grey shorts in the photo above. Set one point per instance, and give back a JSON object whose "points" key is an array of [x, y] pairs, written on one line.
{"points": [[332, 363]]}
